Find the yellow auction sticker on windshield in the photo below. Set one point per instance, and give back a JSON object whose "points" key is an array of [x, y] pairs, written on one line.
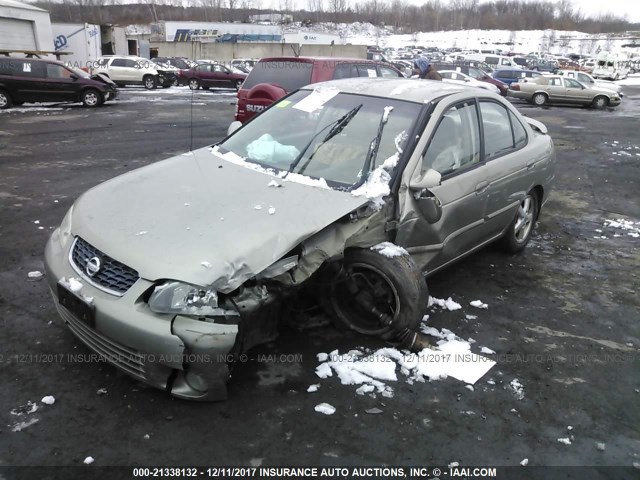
{"points": [[283, 104]]}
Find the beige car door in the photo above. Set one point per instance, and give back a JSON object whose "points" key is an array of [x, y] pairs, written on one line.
{"points": [[453, 150]]}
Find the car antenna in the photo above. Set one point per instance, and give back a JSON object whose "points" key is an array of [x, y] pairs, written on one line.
{"points": [[191, 127]]}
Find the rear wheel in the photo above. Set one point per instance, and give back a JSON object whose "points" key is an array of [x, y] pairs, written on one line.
{"points": [[91, 98], [519, 232], [194, 84], [539, 99], [150, 82], [378, 295], [5, 100]]}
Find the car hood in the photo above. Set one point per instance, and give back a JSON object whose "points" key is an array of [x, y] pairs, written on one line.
{"points": [[201, 219], [101, 77]]}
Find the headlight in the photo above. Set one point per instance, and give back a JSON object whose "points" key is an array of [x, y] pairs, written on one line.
{"points": [[186, 299]]}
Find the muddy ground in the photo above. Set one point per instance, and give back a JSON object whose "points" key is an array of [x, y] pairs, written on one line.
{"points": [[563, 319]]}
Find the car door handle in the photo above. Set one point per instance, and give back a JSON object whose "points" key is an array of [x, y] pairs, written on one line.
{"points": [[481, 187], [530, 164]]}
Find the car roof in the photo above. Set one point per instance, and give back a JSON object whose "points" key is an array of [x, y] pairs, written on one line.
{"points": [[319, 59], [413, 90]]}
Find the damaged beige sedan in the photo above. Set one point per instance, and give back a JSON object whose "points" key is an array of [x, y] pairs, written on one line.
{"points": [[352, 190]]}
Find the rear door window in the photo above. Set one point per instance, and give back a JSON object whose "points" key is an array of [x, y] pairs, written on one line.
{"points": [[388, 72], [345, 70], [290, 75], [29, 68]]}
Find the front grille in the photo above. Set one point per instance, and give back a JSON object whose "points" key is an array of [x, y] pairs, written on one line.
{"points": [[113, 277], [126, 358]]}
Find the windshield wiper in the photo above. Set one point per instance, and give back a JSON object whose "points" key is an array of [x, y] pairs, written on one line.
{"points": [[337, 127], [375, 143]]}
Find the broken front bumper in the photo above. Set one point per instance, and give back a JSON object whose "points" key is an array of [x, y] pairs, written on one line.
{"points": [[182, 355]]}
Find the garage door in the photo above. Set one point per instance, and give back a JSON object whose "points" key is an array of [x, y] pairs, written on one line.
{"points": [[16, 34]]}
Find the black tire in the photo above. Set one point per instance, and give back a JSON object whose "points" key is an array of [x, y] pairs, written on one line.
{"points": [[91, 98], [600, 102], [194, 83], [5, 100], [518, 234], [377, 295], [150, 82], [539, 99]]}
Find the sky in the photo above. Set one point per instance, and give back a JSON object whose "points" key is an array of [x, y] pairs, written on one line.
{"points": [[590, 8]]}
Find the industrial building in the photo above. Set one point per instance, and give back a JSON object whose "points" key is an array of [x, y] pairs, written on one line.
{"points": [[24, 27]]}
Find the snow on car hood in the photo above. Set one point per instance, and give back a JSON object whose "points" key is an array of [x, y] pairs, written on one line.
{"points": [[204, 220]]}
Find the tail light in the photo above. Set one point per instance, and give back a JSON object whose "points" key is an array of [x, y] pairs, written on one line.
{"points": [[515, 86]]}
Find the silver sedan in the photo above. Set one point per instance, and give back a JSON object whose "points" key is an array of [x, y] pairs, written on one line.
{"points": [[354, 190]]}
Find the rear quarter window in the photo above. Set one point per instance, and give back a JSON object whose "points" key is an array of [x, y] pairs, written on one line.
{"points": [[288, 75]]}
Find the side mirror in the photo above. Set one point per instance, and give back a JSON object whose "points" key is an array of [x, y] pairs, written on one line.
{"points": [[233, 127], [430, 179]]}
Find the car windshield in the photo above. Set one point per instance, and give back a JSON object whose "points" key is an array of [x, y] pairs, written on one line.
{"points": [[325, 134]]}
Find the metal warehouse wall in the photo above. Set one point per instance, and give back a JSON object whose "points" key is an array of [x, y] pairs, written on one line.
{"points": [[16, 13], [229, 51]]}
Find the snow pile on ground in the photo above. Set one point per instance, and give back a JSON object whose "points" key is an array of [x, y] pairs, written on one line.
{"points": [[517, 388], [449, 304], [325, 408], [631, 228], [389, 250], [374, 370], [479, 304], [27, 409]]}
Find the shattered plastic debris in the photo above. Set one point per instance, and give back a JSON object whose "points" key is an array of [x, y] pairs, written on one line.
{"points": [[566, 441], [35, 274], [88, 461], [313, 388], [389, 250], [517, 388], [48, 400], [325, 408], [479, 304]]}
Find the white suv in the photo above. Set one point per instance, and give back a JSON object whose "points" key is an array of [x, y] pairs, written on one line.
{"points": [[130, 70]]}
